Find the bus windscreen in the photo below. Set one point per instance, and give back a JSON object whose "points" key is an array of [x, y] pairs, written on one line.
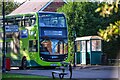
{"points": [[52, 20]]}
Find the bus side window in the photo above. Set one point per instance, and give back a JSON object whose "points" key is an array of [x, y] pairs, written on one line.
{"points": [[21, 23], [10, 22], [9, 35], [32, 20], [8, 47], [33, 46], [27, 21]]}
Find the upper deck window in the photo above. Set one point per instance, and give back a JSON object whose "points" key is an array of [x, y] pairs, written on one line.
{"points": [[21, 21], [52, 20]]}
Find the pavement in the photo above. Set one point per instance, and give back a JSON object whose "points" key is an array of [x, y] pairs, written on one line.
{"points": [[78, 72]]}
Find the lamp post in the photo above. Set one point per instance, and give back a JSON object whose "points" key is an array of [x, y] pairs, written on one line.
{"points": [[4, 48], [74, 48], [74, 35]]}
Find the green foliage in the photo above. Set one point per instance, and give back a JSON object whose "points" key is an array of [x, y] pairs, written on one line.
{"points": [[9, 7], [83, 18], [108, 10], [22, 76], [111, 48], [111, 32], [105, 8]]}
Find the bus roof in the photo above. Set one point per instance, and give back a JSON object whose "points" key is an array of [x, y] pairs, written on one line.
{"points": [[21, 14], [51, 12]]}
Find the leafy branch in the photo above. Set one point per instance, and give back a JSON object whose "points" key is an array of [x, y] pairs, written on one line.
{"points": [[113, 30]]}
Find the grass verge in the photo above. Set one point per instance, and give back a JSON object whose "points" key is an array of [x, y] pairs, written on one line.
{"points": [[9, 76]]}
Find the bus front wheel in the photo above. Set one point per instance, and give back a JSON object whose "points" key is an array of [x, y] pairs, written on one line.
{"points": [[24, 63]]}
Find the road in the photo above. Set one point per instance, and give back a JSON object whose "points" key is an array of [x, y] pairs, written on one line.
{"points": [[90, 72]]}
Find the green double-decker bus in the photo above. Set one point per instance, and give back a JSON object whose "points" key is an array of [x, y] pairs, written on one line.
{"points": [[36, 39]]}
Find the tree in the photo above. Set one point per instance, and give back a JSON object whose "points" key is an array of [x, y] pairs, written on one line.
{"points": [[113, 30], [83, 18], [112, 33], [9, 7]]}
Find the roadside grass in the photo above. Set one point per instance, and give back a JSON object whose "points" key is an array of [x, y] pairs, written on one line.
{"points": [[10, 76]]}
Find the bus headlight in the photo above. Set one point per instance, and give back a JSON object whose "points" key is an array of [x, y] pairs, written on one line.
{"points": [[41, 58]]}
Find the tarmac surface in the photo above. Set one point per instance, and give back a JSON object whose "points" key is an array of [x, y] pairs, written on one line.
{"points": [[104, 72]]}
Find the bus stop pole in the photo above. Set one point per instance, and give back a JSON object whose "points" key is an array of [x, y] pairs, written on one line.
{"points": [[4, 48]]}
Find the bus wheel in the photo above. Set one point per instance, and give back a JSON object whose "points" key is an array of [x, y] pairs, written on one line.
{"points": [[24, 63]]}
